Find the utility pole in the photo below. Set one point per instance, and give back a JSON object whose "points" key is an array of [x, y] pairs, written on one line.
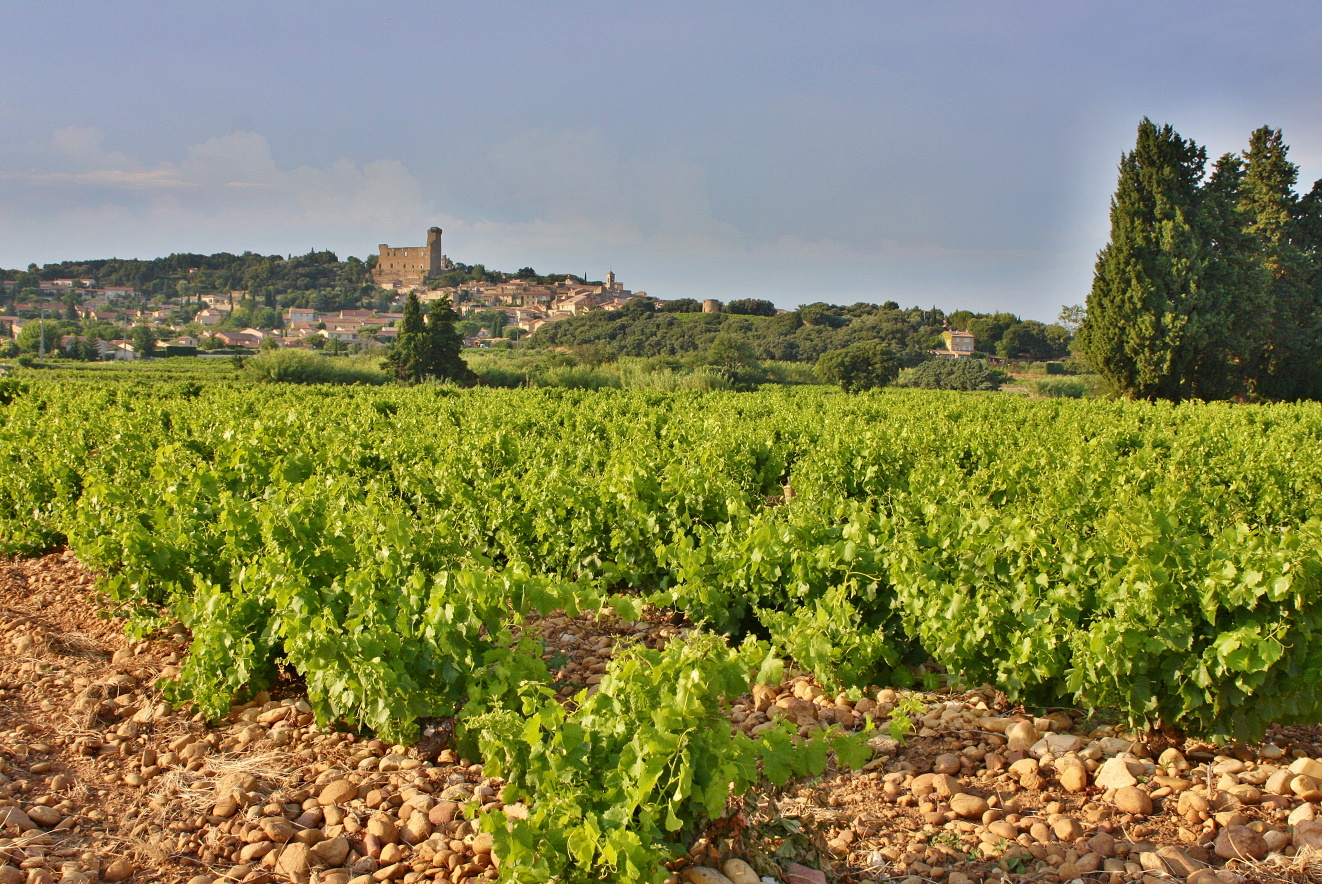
{"points": [[42, 298]]}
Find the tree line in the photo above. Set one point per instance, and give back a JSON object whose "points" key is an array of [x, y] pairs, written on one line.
{"points": [[1211, 284], [680, 329], [319, 279]]}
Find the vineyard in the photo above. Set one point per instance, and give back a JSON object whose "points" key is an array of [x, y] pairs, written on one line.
{"points": [[387, 546]]}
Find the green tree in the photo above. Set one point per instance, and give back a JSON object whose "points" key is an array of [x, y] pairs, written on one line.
{"points": [[1234, 321], [144, 341], [862, 366], [751, 307], [820, 314], [82, 350], [988, 329], [954, 374], [680, 305], [1071, 317], [493, 321], [29, 339], [430, 347], [961, 319], [1285, 362], [734, 354], [444, 346], [1027, 340], [1143, 322], [406, 360]]}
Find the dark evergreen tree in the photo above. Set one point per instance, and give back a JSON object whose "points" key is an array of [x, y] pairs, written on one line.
{"points": [[1309, 230], [406, 361], [443, 351], [1286, 360], [144, 341], [1235, 287], [1145, 323]]}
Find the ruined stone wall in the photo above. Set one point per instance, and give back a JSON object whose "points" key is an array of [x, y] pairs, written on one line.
{"points": [[409, 265]]}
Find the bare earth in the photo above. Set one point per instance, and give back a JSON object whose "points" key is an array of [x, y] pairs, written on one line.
{"points": [[100, 780]]}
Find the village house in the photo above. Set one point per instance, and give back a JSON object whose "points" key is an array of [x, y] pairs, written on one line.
{"points": [[239, 339], [959, 345], [210, 316], [116, 351], [576, 304], [63, 285], [347, 334]]}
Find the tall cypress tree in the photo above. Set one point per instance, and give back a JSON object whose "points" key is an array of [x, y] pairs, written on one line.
{"points": [[1145, 329], [1309, 230], [407, 361], [1286, 359], [444, 346], [1235, 286]]}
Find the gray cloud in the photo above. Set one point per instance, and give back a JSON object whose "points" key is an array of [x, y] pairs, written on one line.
{"points": [[227, 192]]}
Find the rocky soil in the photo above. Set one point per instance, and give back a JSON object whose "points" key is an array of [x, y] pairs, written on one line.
{"points": [[100, 780]]}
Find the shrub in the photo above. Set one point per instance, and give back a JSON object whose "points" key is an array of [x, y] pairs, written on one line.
{"points": [[503, 376], [1059, 388], [751, 307], [954, 374], [857, 367], [1049, 368], [301, 367], [11, 389], [579, 377], [701, 379]]}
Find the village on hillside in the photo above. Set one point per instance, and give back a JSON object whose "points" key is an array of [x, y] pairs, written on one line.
{"points": [[508, 309], [226, 305]]}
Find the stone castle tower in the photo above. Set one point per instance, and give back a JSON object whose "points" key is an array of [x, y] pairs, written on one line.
{"points": [[402, 266]]}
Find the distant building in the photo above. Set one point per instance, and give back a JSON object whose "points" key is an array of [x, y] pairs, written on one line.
{"points": [[240, 339], [399, 267], [959, 345]]}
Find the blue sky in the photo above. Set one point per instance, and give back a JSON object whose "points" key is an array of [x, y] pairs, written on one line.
{"points": [[956, 154]]}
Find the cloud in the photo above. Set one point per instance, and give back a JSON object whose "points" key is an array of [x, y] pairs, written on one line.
{"points": [[226, 193], [556, 186], [552, 196], [557, 199]]}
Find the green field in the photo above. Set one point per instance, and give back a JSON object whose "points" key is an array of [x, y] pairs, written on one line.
{"points": [[1162, 562]]}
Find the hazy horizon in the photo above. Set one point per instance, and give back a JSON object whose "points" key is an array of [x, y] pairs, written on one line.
{"points": [[960, 157]]}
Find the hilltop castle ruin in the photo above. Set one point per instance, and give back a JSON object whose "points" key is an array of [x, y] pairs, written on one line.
{"points": [[405, 266]]}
